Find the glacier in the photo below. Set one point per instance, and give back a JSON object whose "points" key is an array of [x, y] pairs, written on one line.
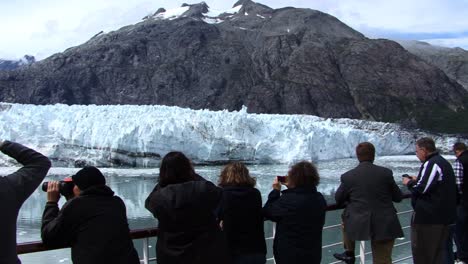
{"points": [[139, 136]]}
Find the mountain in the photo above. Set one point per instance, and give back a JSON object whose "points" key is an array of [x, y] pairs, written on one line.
{"points": [[453, 61], [287, 60], [14, 64]]}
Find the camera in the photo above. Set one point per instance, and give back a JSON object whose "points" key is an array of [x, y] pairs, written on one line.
{"points": [[281, 179], [65, 187]]}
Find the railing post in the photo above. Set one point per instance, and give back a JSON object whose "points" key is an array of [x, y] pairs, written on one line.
{"points": [[274, 234], [362, 252], [145, 251]]}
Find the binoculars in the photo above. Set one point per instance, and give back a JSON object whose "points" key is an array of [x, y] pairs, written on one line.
{"points": [[65, 187]]}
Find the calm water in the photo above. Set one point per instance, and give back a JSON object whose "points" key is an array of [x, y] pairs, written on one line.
{"points": [[134, 185]]}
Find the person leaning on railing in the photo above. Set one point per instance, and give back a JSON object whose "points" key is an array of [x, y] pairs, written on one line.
{"points": [[185, 206], [368, 192], [241, 216], [433, 197], [461, 175], [94, 222], [14, 190], [299, 213]]}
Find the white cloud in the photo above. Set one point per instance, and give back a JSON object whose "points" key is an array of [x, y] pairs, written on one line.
{"points": [[450, 42], [44, 27]]}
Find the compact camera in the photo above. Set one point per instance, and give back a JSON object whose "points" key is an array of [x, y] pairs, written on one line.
{"points": [[281, 179]]}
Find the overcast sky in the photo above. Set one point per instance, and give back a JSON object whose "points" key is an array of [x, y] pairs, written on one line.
{"points": [[44, 27]]}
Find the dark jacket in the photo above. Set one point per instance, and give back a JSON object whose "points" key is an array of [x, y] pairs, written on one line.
{"points": [[434, 193], [463, 159], [94, 224], [14, 190], [241, 213], [188, 231], [299, 214], [368, 191]]}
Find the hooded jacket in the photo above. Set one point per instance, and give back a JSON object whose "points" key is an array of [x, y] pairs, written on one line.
{"points": [[188, 230], [94, 224], [14, 190], [241, 213], [299, 214]]}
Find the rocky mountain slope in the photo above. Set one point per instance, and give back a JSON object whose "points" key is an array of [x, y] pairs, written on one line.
{"points": [[288, 60], [453, 61]]}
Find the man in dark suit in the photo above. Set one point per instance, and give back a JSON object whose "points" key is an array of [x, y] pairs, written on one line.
{"points": [[368, 192]]}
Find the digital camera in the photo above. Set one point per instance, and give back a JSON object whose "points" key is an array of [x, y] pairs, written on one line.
{"points": [[281, 179]]}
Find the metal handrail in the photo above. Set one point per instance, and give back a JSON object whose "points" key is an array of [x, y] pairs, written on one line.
{"points": [[146, 233], [38, 246]]}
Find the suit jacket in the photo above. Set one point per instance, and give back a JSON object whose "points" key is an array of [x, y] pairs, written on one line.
{"points": [[367, 191]]}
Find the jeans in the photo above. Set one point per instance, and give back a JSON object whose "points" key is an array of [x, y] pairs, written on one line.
{"points": [[461, 233]]}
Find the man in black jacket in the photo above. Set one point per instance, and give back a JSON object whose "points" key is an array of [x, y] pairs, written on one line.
{"points": [[461, 176], [433, 196], [368, 191], [14, 190], [94, 222]]}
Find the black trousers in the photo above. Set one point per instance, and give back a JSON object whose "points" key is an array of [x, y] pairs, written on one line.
{"points": [[428, 243]]}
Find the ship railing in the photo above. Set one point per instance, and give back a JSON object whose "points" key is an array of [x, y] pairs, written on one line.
{"points": [[147, 233]]}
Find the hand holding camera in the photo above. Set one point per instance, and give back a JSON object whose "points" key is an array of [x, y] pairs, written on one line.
{"points": [[281, 179], [407, 178], [278, 181]]}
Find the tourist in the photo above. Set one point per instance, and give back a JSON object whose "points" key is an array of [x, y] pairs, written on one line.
{"points": [[299, 213], [241, 216], [14, 190], [185, 208]]}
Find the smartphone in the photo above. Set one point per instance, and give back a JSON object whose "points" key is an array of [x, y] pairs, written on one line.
{"points": [[406, 176], [281, 179]]}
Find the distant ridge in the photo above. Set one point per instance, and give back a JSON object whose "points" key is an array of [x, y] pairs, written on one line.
{"points": [[287, 60], [453, 61], [15, 64]]}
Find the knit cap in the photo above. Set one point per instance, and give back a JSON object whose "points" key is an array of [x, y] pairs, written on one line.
{"points": [[87, 177]]}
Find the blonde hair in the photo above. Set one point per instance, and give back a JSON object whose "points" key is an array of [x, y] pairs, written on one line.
{"points": [[236, 174]]}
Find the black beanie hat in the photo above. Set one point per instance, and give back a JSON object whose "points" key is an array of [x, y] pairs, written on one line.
{"points": [[87, 177]]}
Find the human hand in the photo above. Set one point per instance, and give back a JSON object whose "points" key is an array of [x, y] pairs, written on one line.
{"points": [[53, 193], [276, 184], [406, 180]]}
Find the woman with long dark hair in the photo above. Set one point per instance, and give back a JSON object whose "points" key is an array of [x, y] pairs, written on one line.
{"points": [[299, 213], [185, 207], [241, 215]]}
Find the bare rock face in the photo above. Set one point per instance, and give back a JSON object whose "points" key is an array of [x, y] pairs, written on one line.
{"points": [[453, 61], [288, 60]]}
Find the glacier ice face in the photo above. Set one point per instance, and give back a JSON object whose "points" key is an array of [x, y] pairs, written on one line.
{"points": [[138, 136]]}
